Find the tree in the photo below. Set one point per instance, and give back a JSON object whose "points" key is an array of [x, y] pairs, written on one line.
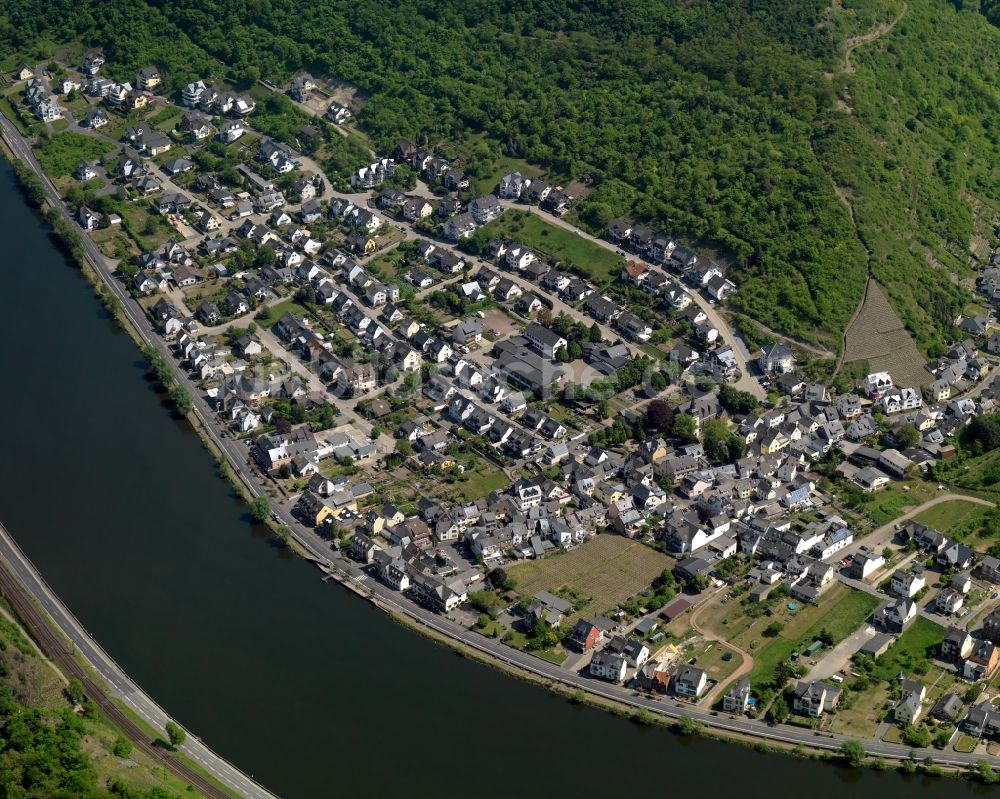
{"points": [[122, 747], [715, 436], [659, 416], [918, 737], [500, 579], [562, 355], [259, 509], [853, 753], [778, 711], [404, 447], [736, 401], [562, 323], [74, 691], [783, 672], [907, 436], [685, 427], [175, 734], [887, 553], [941, 738], [574, 349], [826, 637], [985, 773], [687, 725], [181, 399], [772, 630], [595, 335]]}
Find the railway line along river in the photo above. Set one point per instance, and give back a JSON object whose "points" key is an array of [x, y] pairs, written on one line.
{"points": [[303, 685]]}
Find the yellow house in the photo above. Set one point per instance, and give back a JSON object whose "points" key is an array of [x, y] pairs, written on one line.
{"points": [[313, 508], [149, 78], [376, 522], [773, 441], [608, 492], [410, 362]]}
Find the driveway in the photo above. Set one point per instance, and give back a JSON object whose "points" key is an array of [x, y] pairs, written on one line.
{"points": [[840, 656]]}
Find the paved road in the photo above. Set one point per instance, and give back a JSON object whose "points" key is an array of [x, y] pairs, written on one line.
{"points": [[746, 382], [120, 684], [838, 657], [881, 536], [391, 601]]}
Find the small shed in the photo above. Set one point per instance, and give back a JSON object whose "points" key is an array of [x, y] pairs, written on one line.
{"points": [[675, 609]]}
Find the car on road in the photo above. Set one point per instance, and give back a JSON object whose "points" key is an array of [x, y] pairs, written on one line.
{"points": [[275, 516]]}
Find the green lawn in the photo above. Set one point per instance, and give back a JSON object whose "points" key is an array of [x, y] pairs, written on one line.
{"points": [[912, 647], [519, 640], [840, 617], [593, 260], [965, 744], [884, 506], [13, 114], [268, 316], [956, 518], [166, 119], [480, 482]]}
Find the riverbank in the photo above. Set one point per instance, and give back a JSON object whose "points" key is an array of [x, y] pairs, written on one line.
{"points": [[492, 652], [76, 654]]}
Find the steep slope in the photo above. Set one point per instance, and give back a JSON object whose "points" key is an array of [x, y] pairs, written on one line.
{"points": [[729, 123]]}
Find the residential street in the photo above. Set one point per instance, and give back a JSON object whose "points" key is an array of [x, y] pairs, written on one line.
{"points": [[383, 596], [746, 382]]}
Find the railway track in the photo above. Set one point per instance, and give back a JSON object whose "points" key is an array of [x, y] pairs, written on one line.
{"points": [[55, 648]]}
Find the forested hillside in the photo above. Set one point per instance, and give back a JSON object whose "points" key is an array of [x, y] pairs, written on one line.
{"points": [[722, 121]]}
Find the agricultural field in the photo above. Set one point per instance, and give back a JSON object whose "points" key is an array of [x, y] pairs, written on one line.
{"points": [[878, 336], [609, 569]]}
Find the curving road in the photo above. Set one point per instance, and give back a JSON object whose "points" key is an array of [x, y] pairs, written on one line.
{"points": [[320, 551], [746, 382], [21, 570]]}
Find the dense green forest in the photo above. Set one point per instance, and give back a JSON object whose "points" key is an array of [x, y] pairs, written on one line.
{"points": [[726, 122]]}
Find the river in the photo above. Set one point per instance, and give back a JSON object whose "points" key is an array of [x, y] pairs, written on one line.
{"points": [[300, 683]]}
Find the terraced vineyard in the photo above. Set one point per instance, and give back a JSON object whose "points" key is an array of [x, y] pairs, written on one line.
{"points": [[878, 336]]}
